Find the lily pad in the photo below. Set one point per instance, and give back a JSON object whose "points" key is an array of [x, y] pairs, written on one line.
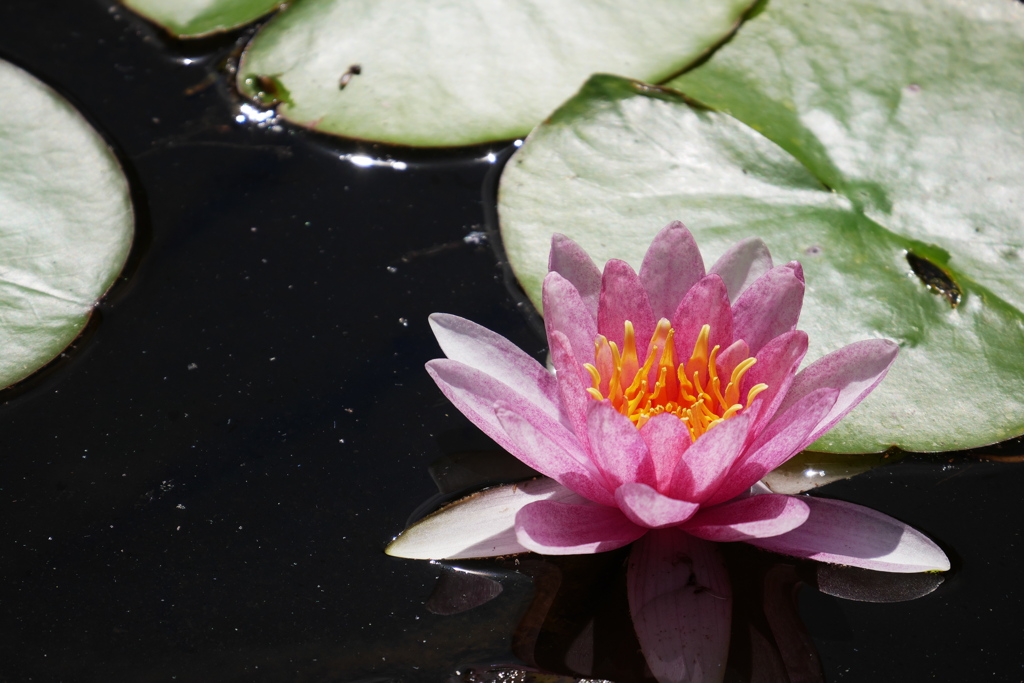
{"points": [[201, 18], [465, 71], [621, 159], [66, 223]]}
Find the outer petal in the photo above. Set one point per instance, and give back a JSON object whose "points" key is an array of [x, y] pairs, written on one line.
{"points": [[707, 303], [476, 346], [560, 529], [671, 266], [617, 448], [844, 533], [783, 439], [543, 443], [709, 460], [555, 455], [569, 260], [647, 508], [854, 370], [753, 517], [742, 264], [623, 298], [480, 525], [681, 602], [769, 307], [565, 311]]}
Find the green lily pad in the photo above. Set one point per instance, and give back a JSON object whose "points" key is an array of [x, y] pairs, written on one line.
{"points": [[465, 71], [66, 223], [201, 18], [914, 111], [621, 159]]}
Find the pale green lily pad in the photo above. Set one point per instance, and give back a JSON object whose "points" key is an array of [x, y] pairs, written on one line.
{"points": [[66, 223], [200, 18], [464, 71], [912, 110], [622, 159]]}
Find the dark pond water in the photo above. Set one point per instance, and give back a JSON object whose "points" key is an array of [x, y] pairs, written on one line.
{"points": [[202, 489]]}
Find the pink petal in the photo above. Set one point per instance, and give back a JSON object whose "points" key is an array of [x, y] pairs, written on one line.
{"points": [[476, 346], [671, 266], [707, 303], [479, 525], [776, 366], [554, 453], [646, 507], [784, 438], [844, 533], [553, 528], [569, 260], [623, 298], [667, 439], [616, 446], [681, 602], [854, 370], [547, 446], [769, 307], [575, 399], [566, 312], [708, 460], [753, 517], [742, 264], [731, 357]]}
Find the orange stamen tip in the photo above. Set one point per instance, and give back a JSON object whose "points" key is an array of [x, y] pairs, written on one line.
{"points": [[691, 390]]}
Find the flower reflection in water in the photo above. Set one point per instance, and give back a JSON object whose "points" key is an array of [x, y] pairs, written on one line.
{"points": [[675, 391]]}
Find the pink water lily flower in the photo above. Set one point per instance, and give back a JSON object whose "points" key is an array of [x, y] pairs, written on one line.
{"points": [[675, 390]]}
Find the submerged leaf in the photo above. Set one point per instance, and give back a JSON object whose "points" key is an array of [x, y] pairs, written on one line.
{"points": [[66, 223]]}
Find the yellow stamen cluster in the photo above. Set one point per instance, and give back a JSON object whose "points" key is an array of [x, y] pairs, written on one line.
{"points": [[692, 391]]}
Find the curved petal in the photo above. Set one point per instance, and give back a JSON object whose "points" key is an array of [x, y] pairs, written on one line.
{"points": [[646, 507], [616, 446], [667, 439], [573, 392], [844, 533], [569, 260], [623, 298], [476, 346], [783, 439], [776, 366], [551, 528], [708, 460], [671, 266], [754, 517], [545, 445], [479, 525], [566, 312], [707, 303], [769, 307], [854, 370], [553, 454], [742, 264], [681, 602]]}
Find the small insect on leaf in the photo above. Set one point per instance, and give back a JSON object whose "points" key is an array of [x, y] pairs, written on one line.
{"points": [[353, 70], [935, 278]]}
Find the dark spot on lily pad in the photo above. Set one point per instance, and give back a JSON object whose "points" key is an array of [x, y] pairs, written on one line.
{"points": [[935, 278]]}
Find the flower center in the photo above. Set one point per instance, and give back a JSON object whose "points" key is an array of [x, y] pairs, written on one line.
{"points": [[692, 391]]}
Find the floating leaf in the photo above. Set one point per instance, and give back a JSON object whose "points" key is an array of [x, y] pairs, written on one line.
{"points": [[466, 71], [66, 223], [621, 159], [200, 18]]}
